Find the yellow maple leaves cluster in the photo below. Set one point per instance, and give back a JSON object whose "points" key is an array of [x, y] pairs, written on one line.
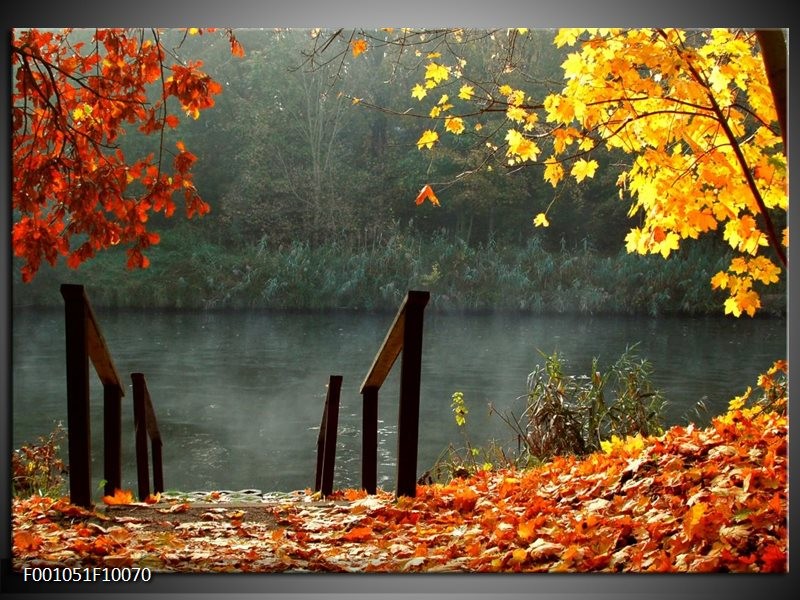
{"points": [[694, 112]]}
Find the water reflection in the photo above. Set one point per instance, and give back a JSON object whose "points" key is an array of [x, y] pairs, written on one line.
{"points": [[239, 396]]}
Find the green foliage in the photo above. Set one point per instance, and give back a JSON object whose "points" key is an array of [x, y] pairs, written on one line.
{"points": [[564, 414], [466, 460], [460, 410], [190, 271], [37, 469]]}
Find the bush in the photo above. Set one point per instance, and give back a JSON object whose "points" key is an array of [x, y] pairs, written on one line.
{"points": [[567, 414], [37, 469]]}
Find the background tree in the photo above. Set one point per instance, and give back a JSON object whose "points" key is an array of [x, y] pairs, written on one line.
{"points": [[74, 189]]}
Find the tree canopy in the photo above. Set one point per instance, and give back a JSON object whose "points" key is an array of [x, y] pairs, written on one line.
{"points": [[692, 118], [72, 100]]}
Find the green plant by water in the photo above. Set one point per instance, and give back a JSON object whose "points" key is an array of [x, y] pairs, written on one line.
{"points": [[563, 414]]}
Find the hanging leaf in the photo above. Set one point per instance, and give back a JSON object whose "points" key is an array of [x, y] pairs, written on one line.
{"points": [[426, 193]]}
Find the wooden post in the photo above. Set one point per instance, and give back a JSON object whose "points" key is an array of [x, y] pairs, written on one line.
{"points": [[369, 440], [112, 438], [321, 447], [78, 414], [408, 417], [331, 424], [158, 470], [140, 433]]}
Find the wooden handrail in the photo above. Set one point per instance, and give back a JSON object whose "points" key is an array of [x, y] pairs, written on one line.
{"points": [[97, 346], [393, 342], [85, 342], [404, 336]]}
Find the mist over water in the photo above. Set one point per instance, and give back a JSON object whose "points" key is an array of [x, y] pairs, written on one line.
{"points": [[239, 395]]}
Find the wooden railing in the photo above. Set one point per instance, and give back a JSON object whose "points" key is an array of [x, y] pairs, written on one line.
{"points": [[326, 440], [85, 342], [404, 335], [144, 426]]}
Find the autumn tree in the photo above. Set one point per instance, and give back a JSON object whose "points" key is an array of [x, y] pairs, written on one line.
{"points": [[75, 95], [694, 116]]}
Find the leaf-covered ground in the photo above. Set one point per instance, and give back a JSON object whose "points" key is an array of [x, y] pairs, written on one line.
{"points": [[696, 500]]}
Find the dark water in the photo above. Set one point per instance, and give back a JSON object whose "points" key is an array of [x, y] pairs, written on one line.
{"points": [[239, 396]]}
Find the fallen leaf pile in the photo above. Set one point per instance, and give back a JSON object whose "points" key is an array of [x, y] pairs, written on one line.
{"points": [[692, 500]]}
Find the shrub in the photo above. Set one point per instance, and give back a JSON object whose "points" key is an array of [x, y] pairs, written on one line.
{"points": [[37, 469], [567, 414]]}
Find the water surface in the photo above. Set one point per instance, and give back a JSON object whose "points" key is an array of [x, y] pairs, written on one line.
{"points": [[239, 395]]}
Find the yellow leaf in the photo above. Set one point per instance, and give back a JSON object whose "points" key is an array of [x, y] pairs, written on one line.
{"points": [[720, 280], [540, 220], [436, 72], [693, 517], [506, 90], [418, 92], [454, 125], [427, 139], [553, 171], [443, 100], [466, 92], [566, 37], [526, 529], [671, 242], [515, 113], [583, 169]]}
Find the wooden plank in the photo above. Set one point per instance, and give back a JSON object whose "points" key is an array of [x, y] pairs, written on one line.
{"points": [[100, 354], [393, 342], [387, 355]]}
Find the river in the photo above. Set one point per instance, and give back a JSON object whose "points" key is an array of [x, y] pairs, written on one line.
{"points": [[239, 395]]}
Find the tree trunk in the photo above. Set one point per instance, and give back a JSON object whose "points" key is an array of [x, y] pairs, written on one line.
{"points": [[773, 51]]}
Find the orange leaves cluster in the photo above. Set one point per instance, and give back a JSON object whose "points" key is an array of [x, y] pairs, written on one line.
{"points": [[692, 500], [70, 104]]}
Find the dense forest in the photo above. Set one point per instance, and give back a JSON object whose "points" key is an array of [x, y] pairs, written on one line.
{"points": [[310, 164]]}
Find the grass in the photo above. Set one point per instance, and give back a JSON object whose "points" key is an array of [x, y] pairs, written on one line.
{"points": [[191, 272]]}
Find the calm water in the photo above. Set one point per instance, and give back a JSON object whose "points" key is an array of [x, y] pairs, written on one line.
{"points": [[239, 395]]}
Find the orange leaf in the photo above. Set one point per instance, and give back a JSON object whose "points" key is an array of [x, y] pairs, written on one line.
{"points": [[426, 193], [359, 46], [358, 534], [119, 497], [464, 500], [25, 540]]}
